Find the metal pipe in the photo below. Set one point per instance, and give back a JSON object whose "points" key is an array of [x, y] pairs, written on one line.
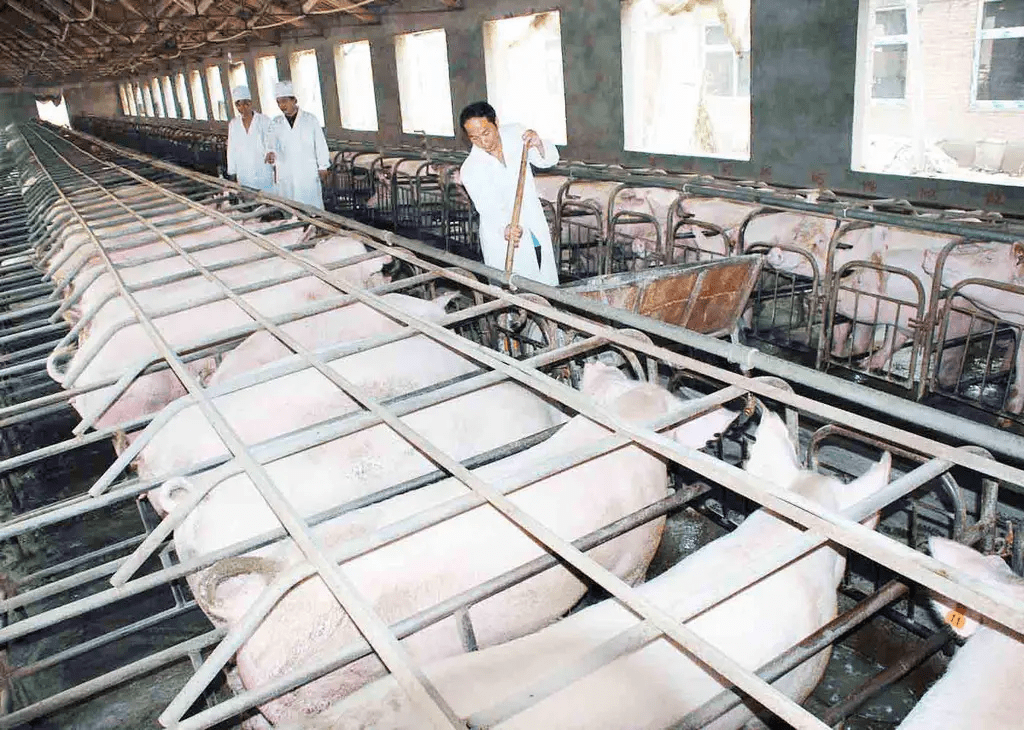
{"points": [[903, 666], [427, 617], [798, 654]]}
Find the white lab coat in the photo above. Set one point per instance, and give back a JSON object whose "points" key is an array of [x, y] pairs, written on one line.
{"points": [[301, 151], [247, 152], [492, 186]]}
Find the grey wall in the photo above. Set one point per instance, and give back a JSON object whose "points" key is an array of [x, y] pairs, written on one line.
{"points": [[16, 107], [802, 83]]}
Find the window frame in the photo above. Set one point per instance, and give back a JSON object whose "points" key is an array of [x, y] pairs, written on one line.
{"points": [[980, 36], [889, 40], [726, 46], [403, 99]]}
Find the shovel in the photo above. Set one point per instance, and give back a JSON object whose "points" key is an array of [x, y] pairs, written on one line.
{"points": [[517, 208]]}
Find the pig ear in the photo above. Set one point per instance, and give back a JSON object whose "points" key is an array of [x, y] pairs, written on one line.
{"points": [[991, 569], [696, 433], [231, 586], [867, 484], [774, 257], [773, 456]]}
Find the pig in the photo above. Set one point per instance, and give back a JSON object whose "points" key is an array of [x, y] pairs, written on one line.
{"points": [[131, 345], [416, 571], [302, 398], [657, 685], [981, 685], [999, 262], [728, 215]]}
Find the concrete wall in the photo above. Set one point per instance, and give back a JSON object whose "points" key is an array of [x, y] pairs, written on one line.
{"points": [[16, 107], [802, 85]]}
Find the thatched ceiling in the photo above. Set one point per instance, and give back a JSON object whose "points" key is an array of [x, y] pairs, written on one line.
{"points": [[53, 42]]}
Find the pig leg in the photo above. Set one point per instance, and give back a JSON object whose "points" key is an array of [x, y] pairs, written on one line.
{"points": [[894, 340]]}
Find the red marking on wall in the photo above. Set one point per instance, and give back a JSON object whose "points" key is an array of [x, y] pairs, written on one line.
{"points": [[928, 193], [818, 178], [869, 186], [995, 198], [766, 172], [727, 168]]}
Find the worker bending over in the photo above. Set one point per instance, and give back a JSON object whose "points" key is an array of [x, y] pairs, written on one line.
{"points": [[298, 149], [247, 144], [490, 175]]}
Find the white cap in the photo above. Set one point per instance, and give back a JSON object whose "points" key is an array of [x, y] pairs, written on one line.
{"points": [[282, 89], [241, 93]]}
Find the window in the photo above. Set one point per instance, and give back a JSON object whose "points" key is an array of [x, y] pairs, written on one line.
{"points": [[198, 95], [236, 77], [182, 91], [217, 103], [266, 79], [889, 53], [306, 81], [158, 101], [147, 93], [140, 103], [424, 89], [523, 61], [686, 78], [169, 105], [125, 109], [356, 96], [726, 73], [1000, 54], [940, 90], [54, 113], [130, 92]]}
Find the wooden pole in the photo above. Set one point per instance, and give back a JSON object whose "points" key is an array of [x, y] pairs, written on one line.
{"points": [[516, 210]]}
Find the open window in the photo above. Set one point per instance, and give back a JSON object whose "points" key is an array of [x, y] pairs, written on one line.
{"points": [[356, 96], [125, 108], [686, 78], [236, 77], [198, 95], [54, 113], [306, 82], [266, 80], [181, 89], [147, 96], [523, 62], [169, 105], [140, 102], [940, 89], [216, 87], [133, 107], [158, 97], [424, 88]]}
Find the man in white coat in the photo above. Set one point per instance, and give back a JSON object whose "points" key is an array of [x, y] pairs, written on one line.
{"points": [[490, 175], [247, 143], [298, 149]]}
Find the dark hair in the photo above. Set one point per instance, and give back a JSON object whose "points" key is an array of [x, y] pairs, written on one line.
{"points": [[475, 110]]}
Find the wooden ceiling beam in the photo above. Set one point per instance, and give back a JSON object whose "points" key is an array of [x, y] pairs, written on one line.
{"points": [[343, 6], [42, 22]]}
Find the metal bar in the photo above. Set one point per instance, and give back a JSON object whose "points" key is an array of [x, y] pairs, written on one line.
{"points": [[780, 665], [436, 712]]}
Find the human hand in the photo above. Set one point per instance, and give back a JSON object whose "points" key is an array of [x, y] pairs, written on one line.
{"points": [[532, 139], [513, 233], [323, 176], [271, 158]]}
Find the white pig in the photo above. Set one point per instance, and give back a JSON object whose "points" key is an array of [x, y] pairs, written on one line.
{"points": [[415, 572], [101, 360], [659, 684], [1001, 262], [981, 688]]}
